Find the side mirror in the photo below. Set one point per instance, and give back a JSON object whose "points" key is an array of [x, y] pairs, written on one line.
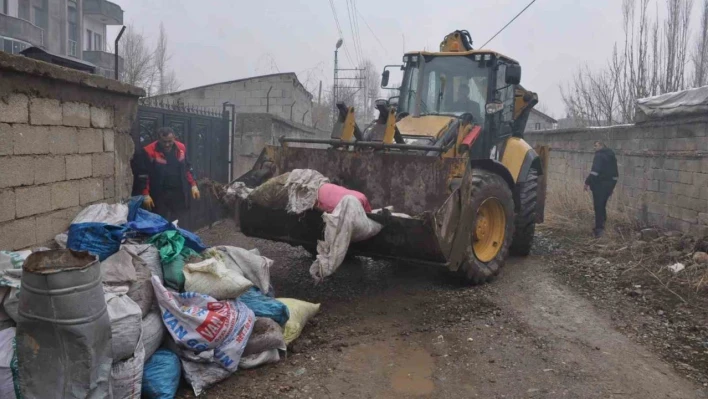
{"points": [[513, 74], [384, 78]]}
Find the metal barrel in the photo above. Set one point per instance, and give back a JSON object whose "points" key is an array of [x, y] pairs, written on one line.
{"points": [[63, 331]]}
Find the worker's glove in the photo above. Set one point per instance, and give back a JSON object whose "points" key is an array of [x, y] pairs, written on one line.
{"points": [[148, 203], [195, 192]]}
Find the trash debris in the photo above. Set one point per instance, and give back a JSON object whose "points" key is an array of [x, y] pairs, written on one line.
{"points": [[348, 223], [701, 258], [300, 313], [173, 254], [271, 194], [303, 186], [211, 277], [203, 375], [649, 234], [252, 265], [7, 351], [266, 335], [199, 322], [161, 375], [114, 214], [677, 267], [259, 359], [265, 306], [100, 239], [329, 196], [127, 375], [70, 324], [299, 372]]}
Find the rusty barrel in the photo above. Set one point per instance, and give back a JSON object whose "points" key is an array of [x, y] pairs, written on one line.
{"points": [[63, 332]]}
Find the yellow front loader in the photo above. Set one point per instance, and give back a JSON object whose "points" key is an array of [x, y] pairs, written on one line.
{"points": [[447, 150]]}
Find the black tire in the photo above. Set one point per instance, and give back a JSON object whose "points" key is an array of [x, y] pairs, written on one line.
{"points": [[526, 218], [487, 185]]}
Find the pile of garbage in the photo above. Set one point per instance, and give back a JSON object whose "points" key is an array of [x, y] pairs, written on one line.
{"points": [[129, 304], [344, 211]]}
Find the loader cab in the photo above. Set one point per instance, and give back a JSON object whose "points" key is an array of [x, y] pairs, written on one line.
{"points": [[474, 83]]}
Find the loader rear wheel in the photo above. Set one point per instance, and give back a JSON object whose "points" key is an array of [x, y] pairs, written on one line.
{"points": [[526, 218], [490, 238]]}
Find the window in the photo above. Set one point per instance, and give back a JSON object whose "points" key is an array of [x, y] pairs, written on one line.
{"points": [[97, 42], [12, 46], [89, 39], [24, 10], [38, 18], [3, 6], [538, 126], [73, 29]]}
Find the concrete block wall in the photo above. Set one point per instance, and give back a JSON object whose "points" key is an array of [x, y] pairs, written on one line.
{"points": [[274, 94], [64, 144], [663, 168]]}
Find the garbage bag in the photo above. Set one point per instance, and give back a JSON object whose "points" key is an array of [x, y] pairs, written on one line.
{"points": [[271, 194], [266, 335], [153, 331], [5, 320], [300, 313], [199, 322], [141, 291], [102, 240], [265, 306], [118, 269], [213, 278], [11, 302], [259, 359], [114, 214], [149, 254], [202, 376], [169, 243], [173, 254], [192, 240], [303, 186], [329, 196], [348, 223], [127, 375], [161, 375], [251, 264], [7, 352], [126, 325]]}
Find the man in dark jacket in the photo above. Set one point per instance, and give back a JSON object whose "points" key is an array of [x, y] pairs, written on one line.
{"points": [[602, 180], [166, 175]]}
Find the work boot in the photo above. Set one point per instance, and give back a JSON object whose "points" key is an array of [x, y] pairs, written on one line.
{"points": [[598, 232]]}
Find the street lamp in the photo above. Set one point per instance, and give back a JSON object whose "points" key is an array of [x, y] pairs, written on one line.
{"points": [[334, 86]]}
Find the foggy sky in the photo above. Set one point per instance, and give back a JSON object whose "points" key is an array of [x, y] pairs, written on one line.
{"points": [[219, 40]]}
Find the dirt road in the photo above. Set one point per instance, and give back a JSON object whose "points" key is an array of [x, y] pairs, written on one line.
{"points": [[390, 330]]}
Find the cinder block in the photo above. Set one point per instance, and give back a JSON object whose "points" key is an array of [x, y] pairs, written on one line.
{"points": [[30, 139], [32, 200], [49, 169], [45, 111], [109, 188], [90, 140], [90, 190], [101, 117], [703, 218], [102, 164], [49, 225], [65, 194], [76, 114], [63, 140], [7, 144], [78, 167], [14, 109], [109, 137], [7, 205], [16, 171], [18, 234]]}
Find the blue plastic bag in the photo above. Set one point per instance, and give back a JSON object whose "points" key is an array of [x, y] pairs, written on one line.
{"points": [[100, 239], [145, 222], [265, 306], [161, 375], [192, 241]]}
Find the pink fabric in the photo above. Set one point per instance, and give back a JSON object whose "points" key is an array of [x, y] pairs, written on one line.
{"points": [[330, 194]]}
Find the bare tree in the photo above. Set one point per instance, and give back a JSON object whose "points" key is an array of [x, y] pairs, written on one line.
{"points": [[699, 58], [166, 79], [137, 60], [677, 28]]}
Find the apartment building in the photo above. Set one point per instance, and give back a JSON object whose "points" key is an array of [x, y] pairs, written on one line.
{"points": [[69, 28]]}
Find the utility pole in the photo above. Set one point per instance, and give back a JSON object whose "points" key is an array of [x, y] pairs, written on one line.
{"points": [[334, 86], [319, 96]]}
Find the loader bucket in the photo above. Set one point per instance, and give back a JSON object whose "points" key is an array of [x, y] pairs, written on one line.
{"points": [[413, 184]]}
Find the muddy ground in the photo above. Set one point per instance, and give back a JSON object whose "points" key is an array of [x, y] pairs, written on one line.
{"points": [[388, 330]]}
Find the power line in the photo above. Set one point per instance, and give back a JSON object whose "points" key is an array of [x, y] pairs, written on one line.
{"points": [[371, 30], [339, 29], [505, 26], [356, 26], [357, 51]]}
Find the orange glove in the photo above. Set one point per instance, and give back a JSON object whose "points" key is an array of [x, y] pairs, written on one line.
{"points": [[195, 192], [148, 203]]}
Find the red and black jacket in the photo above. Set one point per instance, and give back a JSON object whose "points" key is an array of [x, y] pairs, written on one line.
{"points": [[154, 165]]}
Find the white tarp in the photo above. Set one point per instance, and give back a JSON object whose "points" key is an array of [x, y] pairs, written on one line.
{"points": [[303, 186], [115, 214], [680, 103], [348, 223]]}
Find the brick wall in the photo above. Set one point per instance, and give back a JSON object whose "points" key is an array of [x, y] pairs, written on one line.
{"points": [[663, 168], [64, 143]]}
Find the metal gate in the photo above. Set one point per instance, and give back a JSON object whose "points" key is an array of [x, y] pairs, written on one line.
{"points": [[205, 133]]}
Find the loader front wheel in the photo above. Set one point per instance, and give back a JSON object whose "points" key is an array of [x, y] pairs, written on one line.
{"points": [[526, 218], [493, 227]]}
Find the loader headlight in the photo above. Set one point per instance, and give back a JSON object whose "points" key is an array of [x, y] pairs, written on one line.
{"points": [[493, 108]]}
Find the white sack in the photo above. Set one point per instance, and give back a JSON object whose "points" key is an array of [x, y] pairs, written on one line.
{"points": [[127, 376], [61, 239], [212, 277], [118, 268], [126, 325], [259, 359], [149, 254], [303, 186], [7, 386], [251, 264], [348, 223], [153, 332], [202, 376], [115, 214]]}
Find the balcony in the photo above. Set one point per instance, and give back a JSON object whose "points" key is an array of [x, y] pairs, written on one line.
{"points": [[104, 61], [20, 29], [103, 11]]}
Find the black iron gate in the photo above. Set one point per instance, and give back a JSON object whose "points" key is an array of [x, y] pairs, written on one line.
{"points": [[205, 133]]}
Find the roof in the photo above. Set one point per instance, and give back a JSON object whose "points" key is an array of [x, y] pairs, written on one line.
{"points": [[463, 53], [542, 115], [289, 74]]}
